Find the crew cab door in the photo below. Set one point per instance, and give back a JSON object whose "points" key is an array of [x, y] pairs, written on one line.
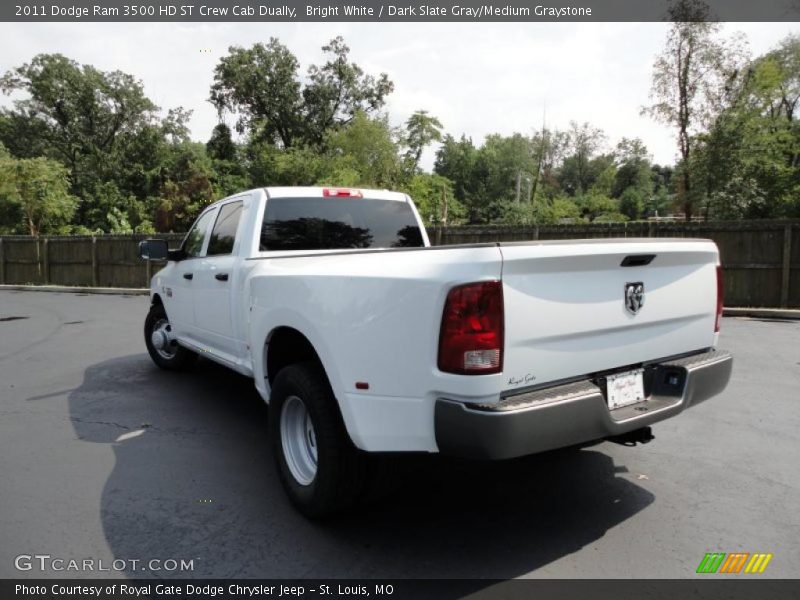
{"points": [[179, 296], [216, 284]]}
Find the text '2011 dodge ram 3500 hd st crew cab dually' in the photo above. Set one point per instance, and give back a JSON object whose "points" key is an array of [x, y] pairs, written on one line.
{"points": [[364, 338]]}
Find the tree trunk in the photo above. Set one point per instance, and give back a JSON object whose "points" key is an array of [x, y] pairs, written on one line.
{"points": [[687, 203]]}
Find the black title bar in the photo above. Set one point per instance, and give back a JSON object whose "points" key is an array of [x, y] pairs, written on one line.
{"points": [[708, 588], [476, 11]]}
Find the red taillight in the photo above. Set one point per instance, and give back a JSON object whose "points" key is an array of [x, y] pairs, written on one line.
{"points": [[471, 336], [720, 294], [341, 193]]}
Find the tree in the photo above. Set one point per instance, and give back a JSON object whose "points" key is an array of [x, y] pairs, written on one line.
{"points": [[185, 187], [577, 172], [101, 126], [422, 130], [76, 114], [338, 91], [564, 209], [631, 203], [220, 145], [596, 207], [549, 148], [261, 85], [298, 165], [363, 153], [455, 160], [690, 78], [38, 191], [229, 174], [753, 145], [633, 171], [434, 198]]}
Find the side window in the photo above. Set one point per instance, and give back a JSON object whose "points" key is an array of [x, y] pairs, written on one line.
{"points": [[224, 233], [193, 244]]}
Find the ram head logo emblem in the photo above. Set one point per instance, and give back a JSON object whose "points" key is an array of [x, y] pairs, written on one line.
{"points": [[634, 297]]}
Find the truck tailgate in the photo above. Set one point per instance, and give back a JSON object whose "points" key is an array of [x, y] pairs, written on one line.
{"points": [[565, 305]]}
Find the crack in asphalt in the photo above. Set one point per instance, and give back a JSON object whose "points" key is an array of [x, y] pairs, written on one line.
{"points": [[109, 423]]}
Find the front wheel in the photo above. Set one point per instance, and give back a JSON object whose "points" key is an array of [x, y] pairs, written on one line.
{"points": [[161, 346], [320, 469]]}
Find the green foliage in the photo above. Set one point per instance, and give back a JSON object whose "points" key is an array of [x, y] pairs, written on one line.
{"points": [[220, 145], [738, 199], [631, 203], [229, 174], [34, 196], [104, 211], [634, 170], [102, 157], [606, 181], [691, 81], [582, 166], [485, 179], [748, 161], [76, 114], [562, 209], [435, 199], [363, 153], [600, 208], [339, 91], [185, 189], [422, 130], [455, 160], [293, 166], [262, 85], [118, 151]]}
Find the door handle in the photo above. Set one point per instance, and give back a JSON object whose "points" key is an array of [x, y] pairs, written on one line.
{"points": [[221, 277], [188, 275]]}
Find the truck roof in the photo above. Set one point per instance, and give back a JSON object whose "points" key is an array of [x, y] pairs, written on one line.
{"points": [[319, 191]]}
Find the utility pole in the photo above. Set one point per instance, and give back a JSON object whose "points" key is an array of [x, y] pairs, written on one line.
{"points": [[519, 181]]}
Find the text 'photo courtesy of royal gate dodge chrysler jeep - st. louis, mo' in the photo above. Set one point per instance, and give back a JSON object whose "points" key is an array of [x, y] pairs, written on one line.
{"points": [[365, 339]]}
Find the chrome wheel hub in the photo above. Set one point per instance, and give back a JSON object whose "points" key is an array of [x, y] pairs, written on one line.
{"points": [[162, 340], [298, 440]]}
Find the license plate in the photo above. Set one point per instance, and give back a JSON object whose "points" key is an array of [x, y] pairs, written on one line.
{"points": [[623, 389]]}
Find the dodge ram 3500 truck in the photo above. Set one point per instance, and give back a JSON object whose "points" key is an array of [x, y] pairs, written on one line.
{"points": [[364, 338]]}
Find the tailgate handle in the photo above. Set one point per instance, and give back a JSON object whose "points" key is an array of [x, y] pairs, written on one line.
{"points": [[637, 260], [187, 275]]}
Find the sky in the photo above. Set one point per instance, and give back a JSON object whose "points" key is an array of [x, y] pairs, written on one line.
{"points": [[477, 78]]}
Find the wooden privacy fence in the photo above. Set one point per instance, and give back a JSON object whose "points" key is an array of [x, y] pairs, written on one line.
{"points": [[101, 261], [761, 259]]}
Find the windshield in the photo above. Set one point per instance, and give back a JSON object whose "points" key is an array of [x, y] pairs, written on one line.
{"points": [[331, 223]]}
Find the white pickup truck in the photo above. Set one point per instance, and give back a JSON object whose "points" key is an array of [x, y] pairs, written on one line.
{"points": [[364, 338]]}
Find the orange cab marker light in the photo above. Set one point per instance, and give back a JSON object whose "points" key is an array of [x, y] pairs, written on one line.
{"points": [[341, 193]]}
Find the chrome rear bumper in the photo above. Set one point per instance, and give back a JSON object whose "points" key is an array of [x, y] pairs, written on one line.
{"points": [[575, 413]]}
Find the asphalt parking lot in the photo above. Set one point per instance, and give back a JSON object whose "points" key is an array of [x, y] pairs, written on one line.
{"points": [[104, 456]]}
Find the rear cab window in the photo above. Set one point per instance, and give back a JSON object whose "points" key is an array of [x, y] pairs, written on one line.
{"points": [[338, 223]]}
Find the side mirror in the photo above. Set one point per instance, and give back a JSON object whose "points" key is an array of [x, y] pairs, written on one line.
{"points": [[153, 250]]}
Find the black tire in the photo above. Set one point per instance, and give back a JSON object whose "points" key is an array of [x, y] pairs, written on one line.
{"points": [[178, 358], [340, 467]]}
